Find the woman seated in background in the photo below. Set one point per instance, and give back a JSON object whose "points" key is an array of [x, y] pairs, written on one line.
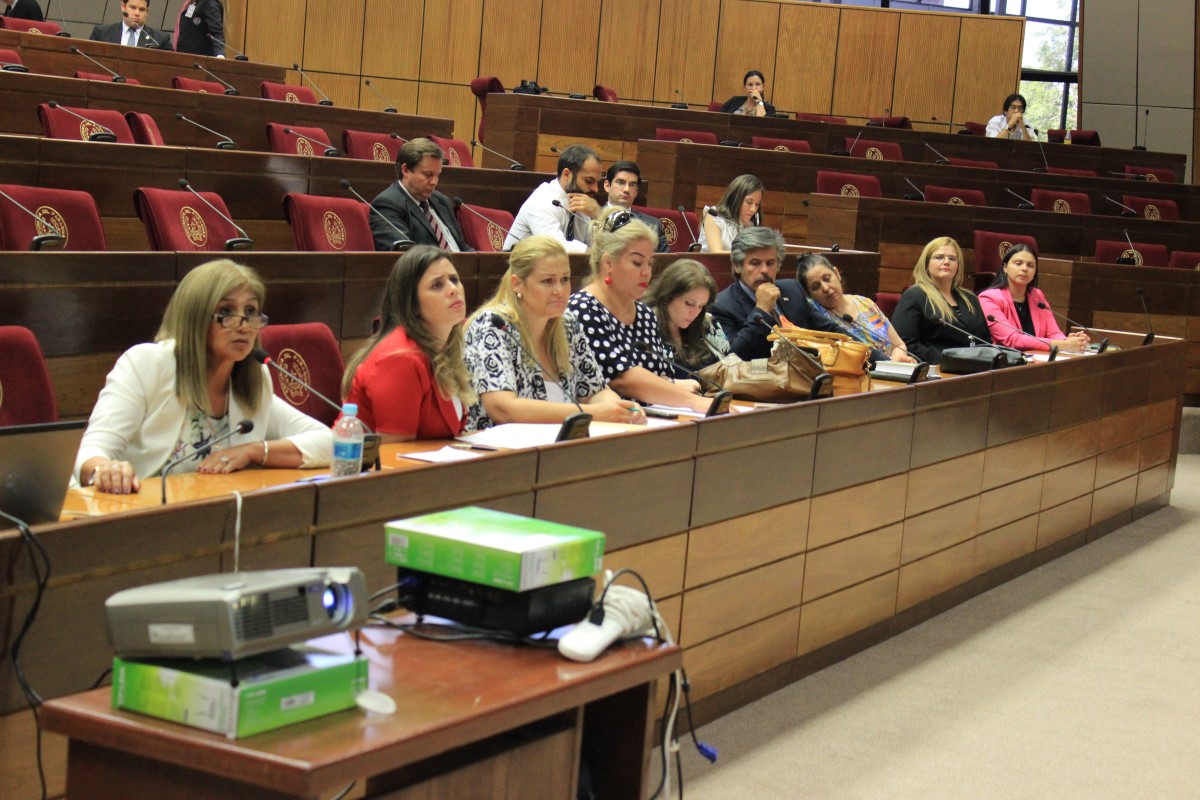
{"points": [[622, 330], [536, 364], [409, 380], [679, 296], [192, 385], [752, 103], [1022, 316], [867, 324], [937, 301], [737, 209]]}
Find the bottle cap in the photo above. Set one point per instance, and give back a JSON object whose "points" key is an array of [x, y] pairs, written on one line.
{"points": [[350, 409]]}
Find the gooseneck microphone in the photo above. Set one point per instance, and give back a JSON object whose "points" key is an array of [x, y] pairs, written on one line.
{"points": [[1126, 210], [695, 245], [834, 247], [1149, 325], [458, 203], [919, 194], [241, 242], [1145, 133], [242, 428], [391, 108], [513, 164], [240, 55], [225, 142], [584, 218], [230, 89], [62, 21], [401, 244], [325, 101], [330, 151], [44, 241], [941, 159], [850, 150], [1045, 162], [1103, 342], [1025, 202], [1126, 260], [646, 347], [576, 425], [116, 77], [105, 134], [993, 318]]}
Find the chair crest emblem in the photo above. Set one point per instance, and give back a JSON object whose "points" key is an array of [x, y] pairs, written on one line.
{"points": [[1151, 211], [1135, 255], [453, 157], [380, 153], [34, 30], [335, 230], [783, 147], [850, 190], [1003, 248], [303, 148], [496, 236], [1061, 206], [669, 229], [193, 226], [875, 154], [956, 201], [291, 97], [202, 91], [1150, 176], [293, 362], [50, 221], [685, 140], [87, 127]]}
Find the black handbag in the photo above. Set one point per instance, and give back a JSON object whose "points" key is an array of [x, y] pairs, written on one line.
{"points": [[978, 358]]}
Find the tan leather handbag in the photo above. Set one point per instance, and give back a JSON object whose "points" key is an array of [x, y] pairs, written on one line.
{"points": [[784, 377], [843, 357]]}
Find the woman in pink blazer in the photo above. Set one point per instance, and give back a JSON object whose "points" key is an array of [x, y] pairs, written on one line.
{"points": [[1017, 312]]}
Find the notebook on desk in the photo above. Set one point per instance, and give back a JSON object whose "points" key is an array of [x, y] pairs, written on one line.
{"points": [[36, 462]]}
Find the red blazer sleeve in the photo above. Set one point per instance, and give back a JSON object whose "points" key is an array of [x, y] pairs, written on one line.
{"points": [[400, 386], [1007, 329]]}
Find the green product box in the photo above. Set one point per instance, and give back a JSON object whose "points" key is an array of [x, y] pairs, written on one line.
{"points": [[275, 689], [493, 548]]}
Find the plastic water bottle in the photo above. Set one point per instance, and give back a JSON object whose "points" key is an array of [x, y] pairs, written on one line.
{"points": [[1067, 138], [347, 442]]}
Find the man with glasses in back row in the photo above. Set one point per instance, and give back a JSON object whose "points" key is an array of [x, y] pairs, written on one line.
{"points": [[1011, 124], [622, 182]]}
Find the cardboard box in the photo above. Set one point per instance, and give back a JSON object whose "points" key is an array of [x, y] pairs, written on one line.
{"points": [[493, 548], [274, 689]]}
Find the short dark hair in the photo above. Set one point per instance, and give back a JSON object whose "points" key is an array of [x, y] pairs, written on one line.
{"points": [[1001, 279], [1008, 101], [574, 156], [620, 166], [747, 76], [414, 151]]}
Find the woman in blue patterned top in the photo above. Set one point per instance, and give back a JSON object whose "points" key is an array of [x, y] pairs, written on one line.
{"points": [[827, 294]]}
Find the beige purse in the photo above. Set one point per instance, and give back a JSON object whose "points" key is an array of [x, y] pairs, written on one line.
{"points": [[783, 377], [844, 357]]}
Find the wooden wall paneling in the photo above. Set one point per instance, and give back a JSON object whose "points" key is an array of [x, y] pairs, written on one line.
{"points": [[944, 482], [392, 28], [804, 65], [720, 663], [1055, 524], [1069, 482], [838, 615], [450, 41], [402, 95], [687, 46], [746, 40], [928, 533], [18, 740], [275, 31], [454, 102], [1072, 444], [1155, 449], [1153, 482], [1005, 544], [1114, 500], [924, 88], [508, 40], [1006, 504], [660, 562], [1013, 461], [987, 70], [938, 573], [627, 51], [842, 514], [333, 37], [866, 62], [568, 45], [830, 569], [760, 538], [733, 603], [1118, 463], [343, 90]]}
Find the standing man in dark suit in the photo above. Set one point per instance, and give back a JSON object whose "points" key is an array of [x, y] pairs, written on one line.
{"points": [[23, 9], [413, 205], [757, 297], [621, 183], [132, 29], [197, 21]]}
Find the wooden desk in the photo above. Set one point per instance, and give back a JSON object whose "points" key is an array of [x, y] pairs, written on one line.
{"points": [[463, 708]]}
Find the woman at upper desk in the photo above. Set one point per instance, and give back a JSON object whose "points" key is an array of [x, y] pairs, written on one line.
{"points": [[738, 208], [679, 296], [536, 364], [751, 104], [409, 380], [192, 385], [826, 290], [1011, 124], [937, 301], [1022, 315], [621, 329]]}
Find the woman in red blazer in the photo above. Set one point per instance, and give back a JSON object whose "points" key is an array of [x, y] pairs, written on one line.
{"points": [[410, 380], [1017, 312]]}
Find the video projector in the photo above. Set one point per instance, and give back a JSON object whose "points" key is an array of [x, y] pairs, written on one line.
{"points": [[234, 615]]}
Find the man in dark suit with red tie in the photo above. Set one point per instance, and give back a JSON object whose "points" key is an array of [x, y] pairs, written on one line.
{"points": [[132, 29], [23, 9], [413, 205]]}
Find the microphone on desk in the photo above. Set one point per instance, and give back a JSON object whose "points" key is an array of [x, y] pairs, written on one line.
{"points": [[1149, 325], [1133, 176], [242, 242], [116, 76], [778, 331], [241, 429], [105, 134], [43, 241], [230, 89], [576, 426], [400, 245], [330, 151], [7, 66], [1103, 342], [720, 401], [695, 245], [458, 203], [62, 21], [1145, 133], [582, 217], [919, 194], [941, 159], [993, 318], [1126, 212], [513, 164], [1025, 203], [849, 151], [225, 142], [325, 101], [1128, 260], [391, 109], [834, 246], [1045, 162], [240, 55]]}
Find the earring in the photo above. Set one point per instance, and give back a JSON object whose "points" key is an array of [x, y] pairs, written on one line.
{"points": [[519, 297], [608, 280]]}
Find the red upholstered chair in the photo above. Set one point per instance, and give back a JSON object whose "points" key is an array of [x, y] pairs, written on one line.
{"points": [[974, 128], [288, 93], [194, 85], [691, 137], [145, 129], [1143, 253], [848, 183], [1184, 259], [309, 352], [29, 26], [890, 122], [1077, 136], [26, 394], [953, 196], [10, 61], [887, 302], [369, 146], [486, 229], [104, 77], [605, 94], [787, 145], [1152, 207], [1061, 202], [481, 88], [681, 230], [58, 124], [806, 117], [990, 247], [177, 221], [1159, 174], [72, 214], [1074, 172], [281, 141], [455, 152], [972, 162], [328, 224], [874, 150], [715, 105]]}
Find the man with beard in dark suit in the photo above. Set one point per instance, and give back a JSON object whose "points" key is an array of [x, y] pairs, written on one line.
{"points": [[413, 204]]}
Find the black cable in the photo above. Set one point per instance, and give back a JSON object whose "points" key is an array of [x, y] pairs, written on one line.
{"points": [[344, 792], [459, 632], [100, 680], [598, 606]]}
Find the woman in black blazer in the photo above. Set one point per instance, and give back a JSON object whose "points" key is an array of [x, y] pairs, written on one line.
{"points": [[937, 301]]}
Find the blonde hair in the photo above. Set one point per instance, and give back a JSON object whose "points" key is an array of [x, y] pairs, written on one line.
{"points": [[611, 243], [188, 319], [933, 295], [525, 256]]}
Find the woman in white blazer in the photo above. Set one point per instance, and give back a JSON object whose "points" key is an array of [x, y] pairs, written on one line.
{"points": [[195, 383]]}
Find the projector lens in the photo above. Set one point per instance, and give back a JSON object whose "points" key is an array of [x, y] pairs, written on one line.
{"points": [[336, 601]]}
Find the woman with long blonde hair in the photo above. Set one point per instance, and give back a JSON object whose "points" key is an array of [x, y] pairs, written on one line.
{"points": [[934, 312]]}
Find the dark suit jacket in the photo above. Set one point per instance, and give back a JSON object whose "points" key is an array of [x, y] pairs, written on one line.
{"points": [[395, 204], [656, 226], [738, 316], [147, 37], [208, 18], [924, 336], [25, 9], [731, 105]]}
